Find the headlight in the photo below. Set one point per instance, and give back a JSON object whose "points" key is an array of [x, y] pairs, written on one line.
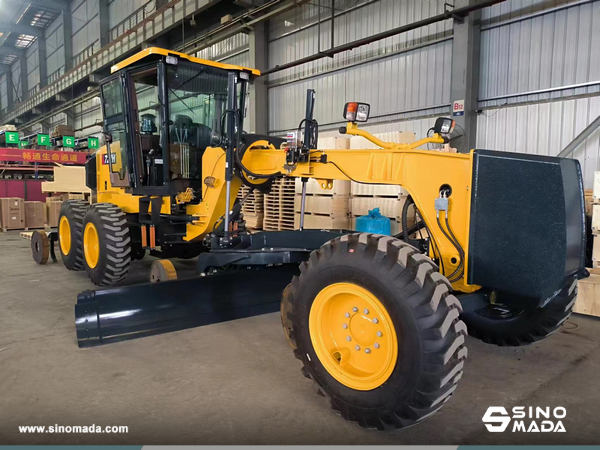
{"points": [[356, 111], [443, 125]]}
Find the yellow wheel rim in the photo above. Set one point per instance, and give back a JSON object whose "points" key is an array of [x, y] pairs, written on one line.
{"points": [[353, 336], [91, 245], [64, 235]]}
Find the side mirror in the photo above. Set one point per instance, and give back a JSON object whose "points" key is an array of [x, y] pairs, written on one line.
{"points": [[444, 125], [356, 111]]}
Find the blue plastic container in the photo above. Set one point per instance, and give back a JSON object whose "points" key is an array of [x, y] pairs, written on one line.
{"points": [[374, 223]]}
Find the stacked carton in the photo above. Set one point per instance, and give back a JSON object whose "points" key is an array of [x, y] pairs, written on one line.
{"points": [[12, 213], [324, 208], [53, 205], [35, 215]]}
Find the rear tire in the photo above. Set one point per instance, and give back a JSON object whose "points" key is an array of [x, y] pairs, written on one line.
{"points": [[421, 310], [510, 327], [70, 232], [108, 231]]}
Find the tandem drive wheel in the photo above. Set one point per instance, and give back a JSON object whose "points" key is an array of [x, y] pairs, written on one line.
{"points": [[70, 232], [377, 330], [162, 270], [106, 244]]}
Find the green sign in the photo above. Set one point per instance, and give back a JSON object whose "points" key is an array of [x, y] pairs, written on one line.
{"points": [[93, 143], [68, 141], [43, 139], [23, 144], [12, 137]]}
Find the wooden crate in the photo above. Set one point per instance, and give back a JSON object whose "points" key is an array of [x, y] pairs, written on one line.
{"points": [[279, 206], [388, 206], [254, 221], [331, 205], [588, 297], [253, 208], [322, 222], [376, 190], [339, 187], [67, 179]]}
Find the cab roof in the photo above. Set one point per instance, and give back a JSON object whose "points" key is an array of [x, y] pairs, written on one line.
{"points": [[148, 52]]}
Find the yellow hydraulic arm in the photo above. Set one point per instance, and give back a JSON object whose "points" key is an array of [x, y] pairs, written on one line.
{"points": [[421, 172]]}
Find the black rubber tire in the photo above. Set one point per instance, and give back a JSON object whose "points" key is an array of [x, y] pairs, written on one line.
{"points": [[74, 211], [528, 326], [431, 336], [115, 244]]}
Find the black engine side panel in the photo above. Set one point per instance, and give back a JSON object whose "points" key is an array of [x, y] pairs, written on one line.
{"points": [[527, 223]]}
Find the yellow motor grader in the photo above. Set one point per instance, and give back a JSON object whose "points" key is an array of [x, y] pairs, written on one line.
{"points": [[378, 322]]}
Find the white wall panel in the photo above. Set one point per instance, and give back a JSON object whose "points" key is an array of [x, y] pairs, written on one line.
{"points": [[55, 54], [544, 129], [33, 67], [16, 80], [548, 51], [3, 89], [230, 45], [86, 25], [375, 17], [119, 10], [417, 79]]}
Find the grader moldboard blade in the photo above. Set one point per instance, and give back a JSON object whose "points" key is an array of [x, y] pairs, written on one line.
{"points": [[115, 314]]}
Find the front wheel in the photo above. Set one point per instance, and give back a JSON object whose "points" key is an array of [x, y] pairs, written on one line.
{"points": [[377, 330]]}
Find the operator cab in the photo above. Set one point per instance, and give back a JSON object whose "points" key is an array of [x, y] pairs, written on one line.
{"points": [[160, 110]]}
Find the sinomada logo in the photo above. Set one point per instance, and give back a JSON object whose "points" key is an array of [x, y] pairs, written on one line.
{"points": [[525, 419]]}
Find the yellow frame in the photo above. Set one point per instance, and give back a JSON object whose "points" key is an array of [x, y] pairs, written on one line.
{"points": [[164, 52]]}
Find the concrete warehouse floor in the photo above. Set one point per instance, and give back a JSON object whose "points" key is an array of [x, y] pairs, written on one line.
{"points": [[238, 382]]}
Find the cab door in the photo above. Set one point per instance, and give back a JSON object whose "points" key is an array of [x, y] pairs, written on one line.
{"points": [[113, 111]]}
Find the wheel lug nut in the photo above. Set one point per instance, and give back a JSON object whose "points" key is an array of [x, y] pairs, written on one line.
{"points": [[366, 311], [355, 309], [357, 347], [367, 350], [347, 314], [375, 321], [379, 334], [348, 338], [345, 326], [376, 345]]}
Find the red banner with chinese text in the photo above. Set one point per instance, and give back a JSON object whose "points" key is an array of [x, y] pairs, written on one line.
{"points": [[42, 156]]}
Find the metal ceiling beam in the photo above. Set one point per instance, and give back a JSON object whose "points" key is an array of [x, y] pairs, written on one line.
{"points": [[240, 24], [7, 27], [11, 51]]}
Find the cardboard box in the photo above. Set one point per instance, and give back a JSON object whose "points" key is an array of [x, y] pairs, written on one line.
{"points": [[12, 215], [53, 211], [35, 214]]}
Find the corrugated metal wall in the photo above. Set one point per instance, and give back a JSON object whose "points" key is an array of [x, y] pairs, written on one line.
{"points": [[3, 89], [15, 69], [520, 54], [55, 54], [539, 45], [86, 25], [33, 67], [119, 10], [545, 129], [401, 77]]}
